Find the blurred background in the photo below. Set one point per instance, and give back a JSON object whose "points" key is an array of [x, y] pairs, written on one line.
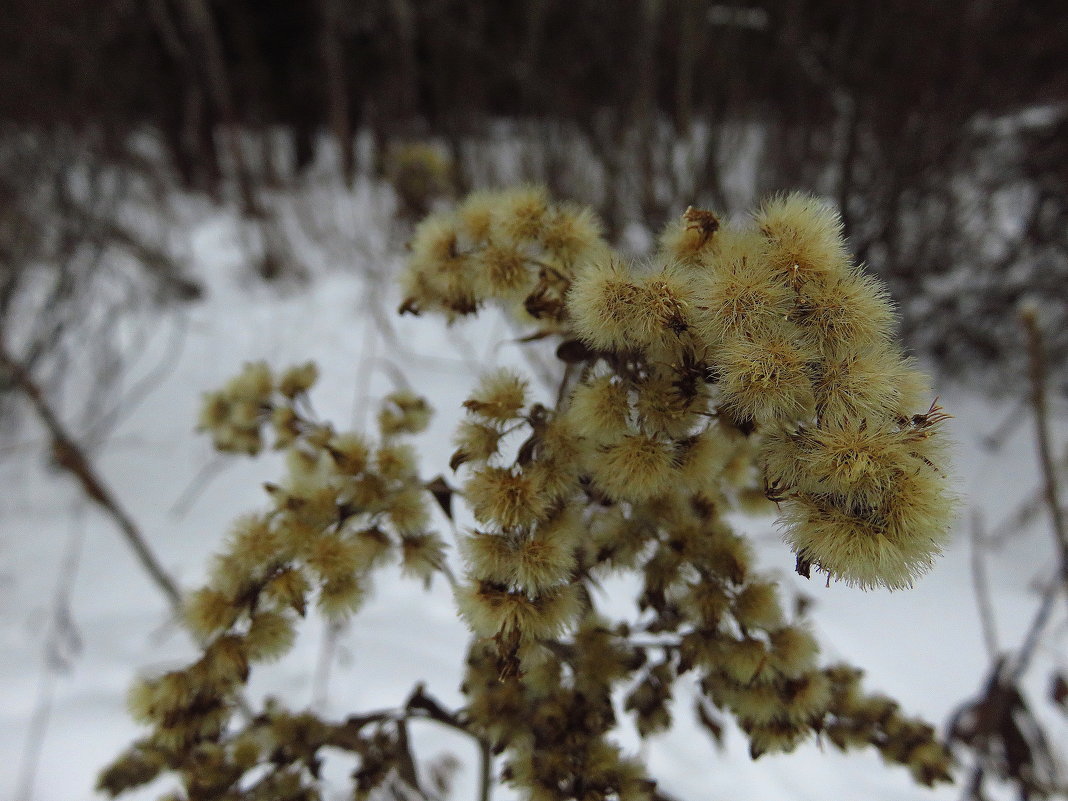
{"points": [[188, 184], [938, 129]]}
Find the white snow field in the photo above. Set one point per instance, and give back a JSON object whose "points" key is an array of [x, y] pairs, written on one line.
{"points": [[79, 619]]}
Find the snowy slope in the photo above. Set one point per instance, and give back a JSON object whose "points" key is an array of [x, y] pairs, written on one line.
{"points": [[68, 681]]}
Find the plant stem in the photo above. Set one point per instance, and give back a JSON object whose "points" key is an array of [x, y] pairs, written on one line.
{"points": [[1037, 365], [70, 457], [1037, 370]]}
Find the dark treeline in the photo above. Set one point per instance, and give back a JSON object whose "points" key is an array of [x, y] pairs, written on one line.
{"points": [[885, 106]]}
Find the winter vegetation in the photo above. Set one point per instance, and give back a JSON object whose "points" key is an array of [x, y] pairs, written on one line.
{"points": [[657, 400]]}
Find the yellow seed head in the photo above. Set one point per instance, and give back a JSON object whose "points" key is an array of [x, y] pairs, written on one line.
{"points": [[757, 606], [299, 379], [209, 611], [270, 635], [504, 496], [571, 233], [600, 409], [341, 596], [804, 239], [793, 651], [766, 379], [635, 467], [422, 555], [500, 396]]}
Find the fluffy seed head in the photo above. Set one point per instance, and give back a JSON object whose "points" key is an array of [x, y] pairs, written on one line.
{"points": [[403, 413], [502, 269], [609, 309], [766, 379], [475, 217], [299, 379], [600, 408], [490, 608], [804, 239], [757, 606], [872, 382], [209, 611], [793, 651], [422, 555], [740, 295], [476, 441], [671, 297], [865, 547], [269, 636], [503, 496], [571, 233], [500, 396], [341, 596], [844, 314], [636, 467], [523, 212]]}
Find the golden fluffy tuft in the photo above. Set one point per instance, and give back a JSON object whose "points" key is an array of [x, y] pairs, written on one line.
{"points": [[523, 212], [867, 547], [872, 382], [504, 496], [500, 396], [804, 239], [635, 467], [502, 269], [604, 302], [491, 609], [740, 295], [766, 379], [572, 233], [845, 314], [600, 408]]}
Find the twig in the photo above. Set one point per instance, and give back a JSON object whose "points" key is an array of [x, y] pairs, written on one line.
{"points": [[485, 769], [142, 388], [1024, 514], [982, 586], [1034, 631], [321, 680], [197, 486], [421, 706], [1037, 369], [70, 457], [60, 631]]}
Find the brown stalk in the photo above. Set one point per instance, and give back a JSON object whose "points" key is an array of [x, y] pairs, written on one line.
{"points": [[1037, 369], [72, 458]]}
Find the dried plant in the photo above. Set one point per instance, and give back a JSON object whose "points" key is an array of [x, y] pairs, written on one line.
{"points": [[745, 366]]}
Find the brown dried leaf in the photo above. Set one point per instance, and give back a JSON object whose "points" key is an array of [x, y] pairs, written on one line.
{"points": [[442, 493]]}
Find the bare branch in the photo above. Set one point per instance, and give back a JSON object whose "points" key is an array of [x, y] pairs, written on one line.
{"points": [[1037, 365], [982, 586], [70, 457]]}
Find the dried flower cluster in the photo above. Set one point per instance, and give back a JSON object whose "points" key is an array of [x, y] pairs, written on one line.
{"points": [[346, 507], [743, 366], [517, 247]]}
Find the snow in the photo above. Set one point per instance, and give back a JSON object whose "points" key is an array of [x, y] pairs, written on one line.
{"points": [[924, 647]]}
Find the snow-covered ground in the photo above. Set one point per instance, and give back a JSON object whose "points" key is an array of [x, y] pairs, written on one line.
{"points": [[78, 618]]}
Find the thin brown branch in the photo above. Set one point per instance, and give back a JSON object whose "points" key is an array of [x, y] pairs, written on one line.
{"points": [[421, 706], [485, 769], [60, 639], [72, 458], [982, 586], [1037, 369]]}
